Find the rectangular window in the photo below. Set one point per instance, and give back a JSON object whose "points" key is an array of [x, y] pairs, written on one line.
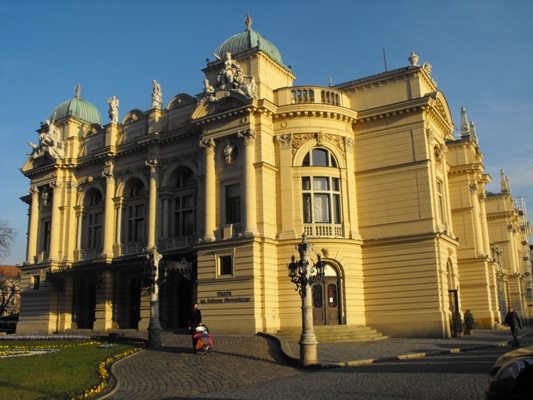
{"points": [[47, 229], [321, 210], [136, 223], [184, 215], [94, 226], [36, 282], [440, 202], [225, 265], [233, 204]]}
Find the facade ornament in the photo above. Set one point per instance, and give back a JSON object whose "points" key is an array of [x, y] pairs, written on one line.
{"points": [[506, 189], [413, 59], [465, 127], [473, 132], [106, 174], [33, 190], [348, 144], [152, 164], [232, 78], [248, 21], [319, 139], [248, 135], [157, 96], [49, 143], [430, 133], [113, 109], [285, 140], [209, 92], [230, 152], [208, 145], [44, 198], [72, 186], [473, 187], [78, 91], [427, 67]]}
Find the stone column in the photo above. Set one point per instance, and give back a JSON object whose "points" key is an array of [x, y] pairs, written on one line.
{"points": [[287, 196], [34, 226], [250, 204], [484, 226], [118, 227], [107, 252], [152, 203], [350, 208], [210, 189], [79, 222], [56, 220], [477, 223]]}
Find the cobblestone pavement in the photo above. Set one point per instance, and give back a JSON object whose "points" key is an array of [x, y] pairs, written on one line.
{"points": [[173, 371]]}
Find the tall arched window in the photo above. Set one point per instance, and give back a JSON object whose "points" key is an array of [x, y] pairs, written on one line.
{"points": [[321, 195]]}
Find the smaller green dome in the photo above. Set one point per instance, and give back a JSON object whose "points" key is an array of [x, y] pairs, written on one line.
{"points": [[77, 108], [248, 40]]}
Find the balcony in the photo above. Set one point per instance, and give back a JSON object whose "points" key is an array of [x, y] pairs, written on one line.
{"points": [[178, 243], [324, 230], [90, 254], [132, 248], [309, 95]]}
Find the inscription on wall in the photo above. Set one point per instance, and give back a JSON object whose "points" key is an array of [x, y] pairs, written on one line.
{"points": [[225, 297]]}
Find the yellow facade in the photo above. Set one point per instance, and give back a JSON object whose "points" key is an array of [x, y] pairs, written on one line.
{"points": [[225, 183]]}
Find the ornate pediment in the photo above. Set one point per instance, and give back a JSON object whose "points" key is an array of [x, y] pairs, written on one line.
{"points": [[220, 102]]}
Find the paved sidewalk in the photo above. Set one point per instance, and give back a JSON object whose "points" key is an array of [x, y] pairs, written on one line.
{"points": [[173, 371], [350, 354]]}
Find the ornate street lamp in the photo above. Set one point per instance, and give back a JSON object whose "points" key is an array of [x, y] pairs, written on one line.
{"points": [[301, 274], [154, 327]]}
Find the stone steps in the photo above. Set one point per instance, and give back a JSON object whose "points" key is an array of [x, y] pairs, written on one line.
{"points": [[335, 333]]}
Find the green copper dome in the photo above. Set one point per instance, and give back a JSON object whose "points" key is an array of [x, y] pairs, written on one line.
{"points": [[77, 108], [249, 40]]}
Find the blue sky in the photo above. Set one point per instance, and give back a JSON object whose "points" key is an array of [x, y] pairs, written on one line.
{"points": [[481, 53]]}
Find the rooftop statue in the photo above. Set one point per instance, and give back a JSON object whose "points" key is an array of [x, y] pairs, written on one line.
{"points": [[157, 96], [49, 143], [113, 109]]}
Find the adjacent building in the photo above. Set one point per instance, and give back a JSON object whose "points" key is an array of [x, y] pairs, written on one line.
{"points": [[217, 189]]}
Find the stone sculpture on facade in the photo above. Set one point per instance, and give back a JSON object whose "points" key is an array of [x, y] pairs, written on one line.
{"points": [[157, 96], [231, 78], [113, 109], [49, 143]]}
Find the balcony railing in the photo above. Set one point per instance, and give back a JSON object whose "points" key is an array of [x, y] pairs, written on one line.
{"points": [[310, 95], [89, 254], [176, 243], [132, 248], [324, 230]]}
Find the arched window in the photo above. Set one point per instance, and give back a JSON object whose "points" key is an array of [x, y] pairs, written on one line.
{"points": [[319, 158], [321, 195]]}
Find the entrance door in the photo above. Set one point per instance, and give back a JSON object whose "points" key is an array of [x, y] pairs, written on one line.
{"points": [[326, 302]]}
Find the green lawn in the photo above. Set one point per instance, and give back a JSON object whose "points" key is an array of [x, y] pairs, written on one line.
{"points": [[77, 366]]}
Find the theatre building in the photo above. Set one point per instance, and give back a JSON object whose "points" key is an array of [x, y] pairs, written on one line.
{"points": [[219, 188]]}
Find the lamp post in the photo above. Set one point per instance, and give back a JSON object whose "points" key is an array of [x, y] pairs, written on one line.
{"points": [[154, 327], [300, 273]]}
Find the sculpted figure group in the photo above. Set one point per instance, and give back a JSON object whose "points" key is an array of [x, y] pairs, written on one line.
{"points": [[49, 143], [231, 77]]}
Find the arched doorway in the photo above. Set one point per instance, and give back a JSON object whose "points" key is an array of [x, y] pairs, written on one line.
{"points": [[327, 307]]}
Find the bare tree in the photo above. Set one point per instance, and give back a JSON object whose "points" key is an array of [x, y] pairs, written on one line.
{"points": [[9, 289], [7, 238]]}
